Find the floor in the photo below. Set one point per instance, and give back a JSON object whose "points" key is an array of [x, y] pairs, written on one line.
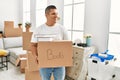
{"points": [[13, 73]]}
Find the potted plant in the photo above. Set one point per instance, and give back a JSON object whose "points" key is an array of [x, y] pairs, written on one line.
{"points": [[88, 38], [20, 25], [27, 26]]}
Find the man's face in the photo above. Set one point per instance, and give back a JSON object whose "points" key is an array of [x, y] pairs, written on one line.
{"points": [[52, 16]]}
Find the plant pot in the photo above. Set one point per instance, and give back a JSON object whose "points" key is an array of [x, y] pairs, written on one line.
{"points": [[88, 41], [20, 26], [27, 29]]}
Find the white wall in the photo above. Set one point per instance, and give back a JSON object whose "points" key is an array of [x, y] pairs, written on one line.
{"points": [[33, 13], [20, 10], [97, 22], [9, 10]]}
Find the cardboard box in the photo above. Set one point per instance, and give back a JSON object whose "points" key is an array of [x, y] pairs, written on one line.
{"points": [[26, 40], [10, 31], [55, 53], [9, 24], [32, 75], [13, 32], [22, 62], [31, 64]]}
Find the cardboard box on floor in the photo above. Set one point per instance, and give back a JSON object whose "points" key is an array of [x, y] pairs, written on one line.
{"points": [[22, 62], [32, 69], [32, 75], [31, 64], [55, 53]]}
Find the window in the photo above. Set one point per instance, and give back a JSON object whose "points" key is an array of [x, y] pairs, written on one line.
{"points": [[39, 15], [114, 32], [26, 12], [74, 18], [40, 11]]}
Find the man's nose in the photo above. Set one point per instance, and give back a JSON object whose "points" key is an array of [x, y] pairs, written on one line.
{"points": [[56, 16]]}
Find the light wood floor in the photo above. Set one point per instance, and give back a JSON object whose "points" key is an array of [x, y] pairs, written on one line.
{"points": [[13, 73]]}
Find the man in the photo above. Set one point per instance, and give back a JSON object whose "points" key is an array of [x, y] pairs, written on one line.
{"points": [[50, 27]]}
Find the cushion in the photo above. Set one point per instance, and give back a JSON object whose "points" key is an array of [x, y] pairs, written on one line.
{"points": [[1, 43], [12, 42], [3, 52], [15, 52]]}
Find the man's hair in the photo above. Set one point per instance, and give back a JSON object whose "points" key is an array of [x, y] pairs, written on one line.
{"points": [[47, 10]]}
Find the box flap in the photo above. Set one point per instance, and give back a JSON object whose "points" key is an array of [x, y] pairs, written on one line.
{"points": [[18, 62]]}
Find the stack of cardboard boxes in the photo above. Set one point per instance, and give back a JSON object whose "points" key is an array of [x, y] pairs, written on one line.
{"points": [[29, 67], [32, 69], [50, 54], [10, 30]]}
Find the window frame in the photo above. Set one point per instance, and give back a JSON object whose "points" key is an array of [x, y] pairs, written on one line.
{"points": [[72, 30]]}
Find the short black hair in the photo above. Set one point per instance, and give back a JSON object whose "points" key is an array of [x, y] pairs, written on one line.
{"points": [[47, 10]]}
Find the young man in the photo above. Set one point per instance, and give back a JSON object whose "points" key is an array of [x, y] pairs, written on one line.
{"points": [[50, 28]]}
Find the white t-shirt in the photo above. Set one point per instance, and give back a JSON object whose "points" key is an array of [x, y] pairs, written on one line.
{"points": [[43, 32]]}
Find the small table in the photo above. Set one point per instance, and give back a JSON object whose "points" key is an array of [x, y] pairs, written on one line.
{"points": [[4, 61]]}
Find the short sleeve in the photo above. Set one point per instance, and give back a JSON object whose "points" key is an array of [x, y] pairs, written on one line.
{"points": [[65, 33]]}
